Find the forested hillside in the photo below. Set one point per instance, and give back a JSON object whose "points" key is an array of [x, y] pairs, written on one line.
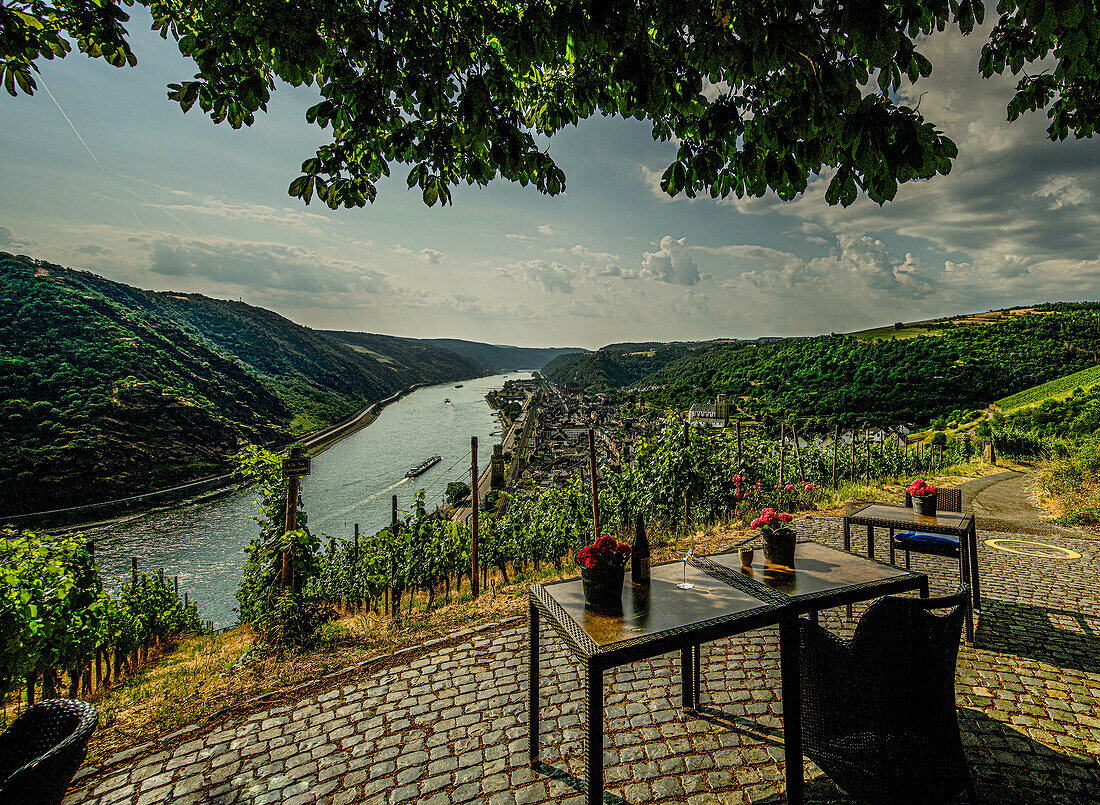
{"points": [[108, 390], [496, 357], [611, 367], [888, 380]]}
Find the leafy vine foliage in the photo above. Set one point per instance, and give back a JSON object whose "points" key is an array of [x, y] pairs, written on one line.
{"points": [[55, 614], [757, 95], [431, 554]]}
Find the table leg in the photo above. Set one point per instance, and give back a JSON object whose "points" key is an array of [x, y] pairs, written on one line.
{"points": [[697, 652], [964, 577], [593, 745], [792, 709], [847, 535], [974, 586], [924, 587], [533, 686], [891, 538], [870, 542], [688, 682]]}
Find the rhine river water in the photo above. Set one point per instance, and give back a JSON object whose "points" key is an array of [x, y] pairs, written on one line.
{"points": [[351, 482]]}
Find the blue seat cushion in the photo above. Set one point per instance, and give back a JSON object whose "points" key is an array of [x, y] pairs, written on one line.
{"points": [[938, 544]]}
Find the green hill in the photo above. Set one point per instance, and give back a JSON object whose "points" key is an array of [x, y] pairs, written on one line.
{"points": [[1053, 390], [499, 358], [611, 368], [107, 390], [965, 366]]}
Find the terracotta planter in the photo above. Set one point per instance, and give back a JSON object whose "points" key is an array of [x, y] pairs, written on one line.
{"points": [[925, 505], [779, 546]]}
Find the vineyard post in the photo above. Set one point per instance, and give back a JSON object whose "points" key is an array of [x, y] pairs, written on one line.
{"points": [[176, 585], [866, 454], [474, 501], [133, 571], [355, 566], [294, 467], [782, 439], [595, 486], [393, 532], [836, 440], [852, 466], [739, 445]]}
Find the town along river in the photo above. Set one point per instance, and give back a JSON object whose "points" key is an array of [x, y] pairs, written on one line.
{"points": [[351, 482]]}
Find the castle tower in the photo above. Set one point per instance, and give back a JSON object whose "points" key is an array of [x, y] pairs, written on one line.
{"points": [[722, 408]]}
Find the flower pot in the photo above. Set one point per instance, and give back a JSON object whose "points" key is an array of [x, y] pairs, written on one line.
{"points": [[779, 546], [603, 590], [925, 505]]}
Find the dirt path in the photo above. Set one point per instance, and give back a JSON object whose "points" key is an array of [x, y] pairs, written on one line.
{"points": [[1004, 502]]}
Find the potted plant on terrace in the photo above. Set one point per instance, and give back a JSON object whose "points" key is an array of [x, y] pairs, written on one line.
{"points": [[603, 565], [924, 497], [778, 539]]}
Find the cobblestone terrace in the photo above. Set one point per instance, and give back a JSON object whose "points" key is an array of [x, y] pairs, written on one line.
{"points": [[447, 723]]}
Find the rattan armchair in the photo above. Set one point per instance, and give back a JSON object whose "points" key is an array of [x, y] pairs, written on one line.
{"points": [[42, 750], [878, 712]]}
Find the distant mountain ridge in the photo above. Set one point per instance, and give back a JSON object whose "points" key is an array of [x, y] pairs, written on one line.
{"points": [[108, 390]]}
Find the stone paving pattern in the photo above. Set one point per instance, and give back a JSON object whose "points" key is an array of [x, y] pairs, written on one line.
{"points": [[449, 724]]}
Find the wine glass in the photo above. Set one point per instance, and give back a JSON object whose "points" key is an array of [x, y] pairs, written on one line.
{"points": [[685, 557]]}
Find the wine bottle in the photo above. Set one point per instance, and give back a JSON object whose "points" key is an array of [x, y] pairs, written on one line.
{"points": [[639, 554]]}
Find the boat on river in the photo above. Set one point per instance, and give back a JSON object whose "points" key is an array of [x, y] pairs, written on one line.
{"points": [[446, 400], [423, 466], [458, 386]]}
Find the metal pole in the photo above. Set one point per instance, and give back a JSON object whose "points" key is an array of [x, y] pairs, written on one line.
{"points": [[592, 477], [836, 441], [738, 444], [475, 501], [782, 438]]}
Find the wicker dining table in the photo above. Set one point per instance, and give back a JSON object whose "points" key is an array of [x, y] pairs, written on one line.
{"points": [[727, 599], [957, 524]]}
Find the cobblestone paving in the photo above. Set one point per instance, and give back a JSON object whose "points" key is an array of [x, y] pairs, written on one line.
{"points": [[448, 725]]}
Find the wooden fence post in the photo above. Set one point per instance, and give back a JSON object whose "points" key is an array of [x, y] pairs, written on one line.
{"points": [[782, 439], [836, 441], [738, 445], [475, 501], [593, 484]]}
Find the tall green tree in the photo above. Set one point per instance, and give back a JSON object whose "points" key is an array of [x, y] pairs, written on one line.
{"points": [[758, 94]]}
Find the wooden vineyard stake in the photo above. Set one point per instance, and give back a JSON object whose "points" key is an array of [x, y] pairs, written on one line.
{"points": [[294, 467], [782, 439], [836, 441], [595, 487], [475, 501], [739, 445]]}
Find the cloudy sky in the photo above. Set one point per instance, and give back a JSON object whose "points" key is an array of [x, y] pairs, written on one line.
{"points": [[108, 175]]}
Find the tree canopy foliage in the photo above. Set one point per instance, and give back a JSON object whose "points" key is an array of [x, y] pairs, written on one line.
{"points": [[757, 94]]}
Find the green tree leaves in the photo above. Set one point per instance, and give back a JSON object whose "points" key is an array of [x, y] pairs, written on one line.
{"points": [[758, 97]]}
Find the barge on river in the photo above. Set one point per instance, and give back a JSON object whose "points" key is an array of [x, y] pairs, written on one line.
{"points": [[423, 466]]}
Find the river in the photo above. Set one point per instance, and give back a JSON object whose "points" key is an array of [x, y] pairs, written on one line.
{"points": [[351, 482]]}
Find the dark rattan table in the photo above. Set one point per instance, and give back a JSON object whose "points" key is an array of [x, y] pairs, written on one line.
{"points": [[725, 601], [958, 524]]}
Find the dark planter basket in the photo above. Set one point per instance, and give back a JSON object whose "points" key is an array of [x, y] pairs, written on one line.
{"points": [[925, 505], [603, 590], [779, 546]]}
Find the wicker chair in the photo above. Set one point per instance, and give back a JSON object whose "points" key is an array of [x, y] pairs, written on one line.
{"points": [[42, 750], [878, 712]]}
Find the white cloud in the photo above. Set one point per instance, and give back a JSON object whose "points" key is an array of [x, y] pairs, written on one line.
{"points": [[430, 256], [672, 263]]}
